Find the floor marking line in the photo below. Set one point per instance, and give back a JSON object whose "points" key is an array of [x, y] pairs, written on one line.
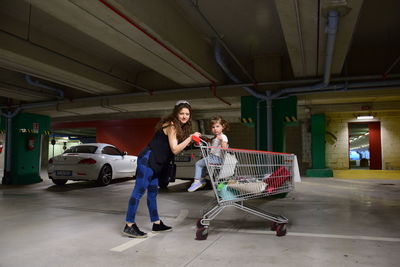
{"points": [[356, 237], [131, 243], [135, 241]]}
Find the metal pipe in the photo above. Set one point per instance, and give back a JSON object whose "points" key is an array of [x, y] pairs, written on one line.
{"points": [[333, 87], [218, 36], [221, 62], [7, 170], [331, 29], [258, 125], [30, 81], [180, 90], [269, 124], [344, 89], [120, 14]]}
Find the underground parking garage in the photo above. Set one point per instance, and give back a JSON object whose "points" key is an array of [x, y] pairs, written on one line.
{"points": [[310, 87]]}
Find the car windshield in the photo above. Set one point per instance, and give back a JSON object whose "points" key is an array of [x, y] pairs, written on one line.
{"points": [[81, 149]]}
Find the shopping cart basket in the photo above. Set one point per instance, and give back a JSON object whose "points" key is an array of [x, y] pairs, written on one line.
{"points": [[242, 175]]}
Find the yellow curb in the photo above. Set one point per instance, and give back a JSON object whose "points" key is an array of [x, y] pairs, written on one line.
{"points": [[367, 174]]}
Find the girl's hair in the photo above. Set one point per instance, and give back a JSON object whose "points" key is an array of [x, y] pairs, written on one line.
{"points": [[182, 130], [220, 120]]}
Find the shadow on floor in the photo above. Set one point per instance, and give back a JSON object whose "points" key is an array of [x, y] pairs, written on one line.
{"points": [[77, 185]]}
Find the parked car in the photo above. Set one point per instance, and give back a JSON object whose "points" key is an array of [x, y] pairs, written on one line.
{"points": [[94, 161], [185, 164]]}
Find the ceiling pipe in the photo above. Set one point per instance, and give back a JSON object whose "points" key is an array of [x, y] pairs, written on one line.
{"points": [[336, 87], [331, 29], [134, 24], [218, 36], [221, 62], [155, 39], [391, 67], [344, 89], [180, 90], [30, 81]]}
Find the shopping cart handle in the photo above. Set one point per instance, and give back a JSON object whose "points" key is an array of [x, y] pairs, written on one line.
{"points": [[196, 139]]}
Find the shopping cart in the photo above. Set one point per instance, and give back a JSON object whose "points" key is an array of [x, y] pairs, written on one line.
{"points": [[242, 175]]}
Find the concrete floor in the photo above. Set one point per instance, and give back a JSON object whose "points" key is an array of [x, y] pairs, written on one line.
{"points": [[333, 222]]}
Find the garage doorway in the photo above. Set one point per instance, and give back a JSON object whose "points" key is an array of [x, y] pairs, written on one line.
{"points": [[365, 145]]}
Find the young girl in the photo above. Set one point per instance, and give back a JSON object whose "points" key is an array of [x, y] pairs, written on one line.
{"points": [[218, 125], [172, 136]]}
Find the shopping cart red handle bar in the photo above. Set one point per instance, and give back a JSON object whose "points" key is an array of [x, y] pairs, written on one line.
{"points": [[196, 139]]}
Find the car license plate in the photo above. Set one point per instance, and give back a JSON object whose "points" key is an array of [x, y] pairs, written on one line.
{"points": [[182, 158], [63, 173]]}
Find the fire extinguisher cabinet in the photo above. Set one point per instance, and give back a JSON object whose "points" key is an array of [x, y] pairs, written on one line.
{"points": [[27, 130]]}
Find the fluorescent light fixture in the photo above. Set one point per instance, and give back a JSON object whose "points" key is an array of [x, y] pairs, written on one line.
{"points": [[365, 117]]}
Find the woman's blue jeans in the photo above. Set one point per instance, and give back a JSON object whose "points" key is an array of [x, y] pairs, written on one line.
{"points": [[144, 180]]}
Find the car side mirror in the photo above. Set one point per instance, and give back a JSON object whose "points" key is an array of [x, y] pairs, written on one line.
{"points": [[124, 153]]}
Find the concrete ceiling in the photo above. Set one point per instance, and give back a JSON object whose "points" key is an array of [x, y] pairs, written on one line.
{"points": [[76, 59]]}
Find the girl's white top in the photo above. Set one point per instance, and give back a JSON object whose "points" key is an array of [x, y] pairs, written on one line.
{"points": [[217, 143]]}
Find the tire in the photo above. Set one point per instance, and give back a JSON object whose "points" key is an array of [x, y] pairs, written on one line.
{"points": [[105, 175], [60, 181]]}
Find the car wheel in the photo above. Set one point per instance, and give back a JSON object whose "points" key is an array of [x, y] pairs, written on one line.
{"points": [[105, 175], [60, 181]]}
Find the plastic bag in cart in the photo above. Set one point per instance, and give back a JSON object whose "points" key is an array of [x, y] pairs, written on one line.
{"points": [[228, 166], [226, 193], [253, 187]]}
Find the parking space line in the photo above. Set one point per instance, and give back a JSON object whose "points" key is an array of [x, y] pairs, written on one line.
{"points": [[131, 243], [353, 237], [135, 241]]}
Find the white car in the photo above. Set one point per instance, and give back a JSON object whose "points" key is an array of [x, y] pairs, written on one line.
{"points": [[94, 161], [185, 165]]}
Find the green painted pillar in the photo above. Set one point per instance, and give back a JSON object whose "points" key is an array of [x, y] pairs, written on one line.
{"points": [[284, 113], [26, 132], [318, 148]]}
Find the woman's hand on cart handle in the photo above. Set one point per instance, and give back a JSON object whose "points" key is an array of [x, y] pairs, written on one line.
{"points": [[196, 137]]}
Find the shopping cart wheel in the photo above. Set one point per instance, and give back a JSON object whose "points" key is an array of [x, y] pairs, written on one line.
{"points": [[199, 224], [202, 233], [281, 229], [274, 225]]}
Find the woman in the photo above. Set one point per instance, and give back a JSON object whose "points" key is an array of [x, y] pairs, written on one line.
{"points": [[171, 137]]}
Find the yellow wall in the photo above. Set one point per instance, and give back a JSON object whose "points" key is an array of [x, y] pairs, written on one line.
{"points": [[337, 153], [390, 130]]}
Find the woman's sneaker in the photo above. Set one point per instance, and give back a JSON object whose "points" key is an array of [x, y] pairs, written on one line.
{"points": [[197, 184], [133, 231], [161, 227]]}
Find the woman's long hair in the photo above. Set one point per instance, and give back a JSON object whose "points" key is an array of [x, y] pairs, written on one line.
{"points": [[182, 130]]}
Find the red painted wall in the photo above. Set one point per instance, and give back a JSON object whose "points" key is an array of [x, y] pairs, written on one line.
{"points": [[375, 145], [130, 135]]}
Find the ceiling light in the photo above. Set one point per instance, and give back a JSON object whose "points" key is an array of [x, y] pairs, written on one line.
{"points": [[365, 117]]}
